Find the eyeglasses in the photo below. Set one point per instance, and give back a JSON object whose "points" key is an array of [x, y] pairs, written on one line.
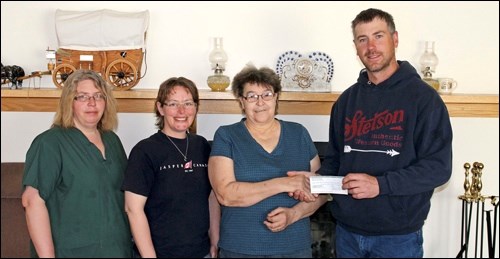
{"points": [[85, 98], [253, 97], [176, 105]]}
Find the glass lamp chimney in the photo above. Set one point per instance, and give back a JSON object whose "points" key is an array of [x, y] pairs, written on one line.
{"points": [[429, 60], [218, 56]]}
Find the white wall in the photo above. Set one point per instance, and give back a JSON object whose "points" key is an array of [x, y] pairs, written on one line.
{"points": [[178, 43]]}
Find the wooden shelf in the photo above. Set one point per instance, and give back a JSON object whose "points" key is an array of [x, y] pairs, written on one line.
{"points": [[295, 103]]}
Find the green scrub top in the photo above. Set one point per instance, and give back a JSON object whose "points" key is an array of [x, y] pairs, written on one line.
{"points": [[81, 189]]}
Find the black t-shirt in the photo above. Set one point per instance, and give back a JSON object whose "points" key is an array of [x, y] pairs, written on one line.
{"points": [[177, 192]]}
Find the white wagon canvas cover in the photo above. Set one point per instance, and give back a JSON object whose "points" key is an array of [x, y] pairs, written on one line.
{"points": [[101, 30]]}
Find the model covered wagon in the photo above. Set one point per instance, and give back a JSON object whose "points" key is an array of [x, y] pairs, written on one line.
{"points": [[109, 42]]}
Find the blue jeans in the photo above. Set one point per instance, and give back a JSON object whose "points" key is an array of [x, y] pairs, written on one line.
{"points": [[349, 245], [307, 253]]}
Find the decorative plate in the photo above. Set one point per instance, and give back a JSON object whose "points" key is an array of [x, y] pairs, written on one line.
{"points": [[309, 73]]}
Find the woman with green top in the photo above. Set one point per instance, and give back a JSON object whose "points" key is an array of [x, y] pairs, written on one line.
{"points": [[72, 177]]}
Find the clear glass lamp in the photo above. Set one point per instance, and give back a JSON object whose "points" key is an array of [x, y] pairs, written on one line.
{"points": [[50, 55], [428, 63], [218, 59]]}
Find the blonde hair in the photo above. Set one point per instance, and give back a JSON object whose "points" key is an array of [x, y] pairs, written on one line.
{"points": [[64, 113]]}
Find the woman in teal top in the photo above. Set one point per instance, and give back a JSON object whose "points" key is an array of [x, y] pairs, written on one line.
{"points": [[251, 171], [72, 177]]}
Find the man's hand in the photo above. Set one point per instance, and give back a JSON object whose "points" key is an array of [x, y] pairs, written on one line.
{"points": [[361, 185]]}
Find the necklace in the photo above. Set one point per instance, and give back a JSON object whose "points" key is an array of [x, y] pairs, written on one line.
{"points": [[267, 138], [187, 146], [188, 166], [270, 128]]}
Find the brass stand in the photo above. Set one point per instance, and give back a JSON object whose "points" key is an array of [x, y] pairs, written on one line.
{"points": [[472, 196]]}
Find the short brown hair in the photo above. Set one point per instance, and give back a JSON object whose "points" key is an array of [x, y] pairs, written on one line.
{"points": [[166, 89], [369, 14]]}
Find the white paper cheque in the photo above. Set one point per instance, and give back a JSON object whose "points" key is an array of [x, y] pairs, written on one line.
{"points": [[327, 184]]}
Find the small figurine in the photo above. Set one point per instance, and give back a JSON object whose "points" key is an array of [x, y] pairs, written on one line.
{"points": [[13, 74]]}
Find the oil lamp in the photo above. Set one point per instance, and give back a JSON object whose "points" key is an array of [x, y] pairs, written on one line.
{"points": [[428, 63], [218, 59]]}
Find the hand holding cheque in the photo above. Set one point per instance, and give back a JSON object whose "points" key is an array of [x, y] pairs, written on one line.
{"points": [[327, 184], [320, 184]]}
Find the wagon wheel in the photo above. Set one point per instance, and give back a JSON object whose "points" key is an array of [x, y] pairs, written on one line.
{"points": [[61, 73], [122, 74]]}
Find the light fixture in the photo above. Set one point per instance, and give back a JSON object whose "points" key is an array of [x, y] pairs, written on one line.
{"points": [[428, 63], [50, 55], [218, 59]]}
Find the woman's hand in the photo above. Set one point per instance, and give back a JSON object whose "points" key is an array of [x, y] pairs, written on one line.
{"points": [[280, 218], [303, 195]]}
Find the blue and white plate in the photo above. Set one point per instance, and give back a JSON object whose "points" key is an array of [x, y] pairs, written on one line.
{"points": [[311, 73]]}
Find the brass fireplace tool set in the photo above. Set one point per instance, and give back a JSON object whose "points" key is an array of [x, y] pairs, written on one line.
{"points": [[472, 196]]}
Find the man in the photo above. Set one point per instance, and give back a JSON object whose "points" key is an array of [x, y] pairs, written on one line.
{"points": [[390, 137]]}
